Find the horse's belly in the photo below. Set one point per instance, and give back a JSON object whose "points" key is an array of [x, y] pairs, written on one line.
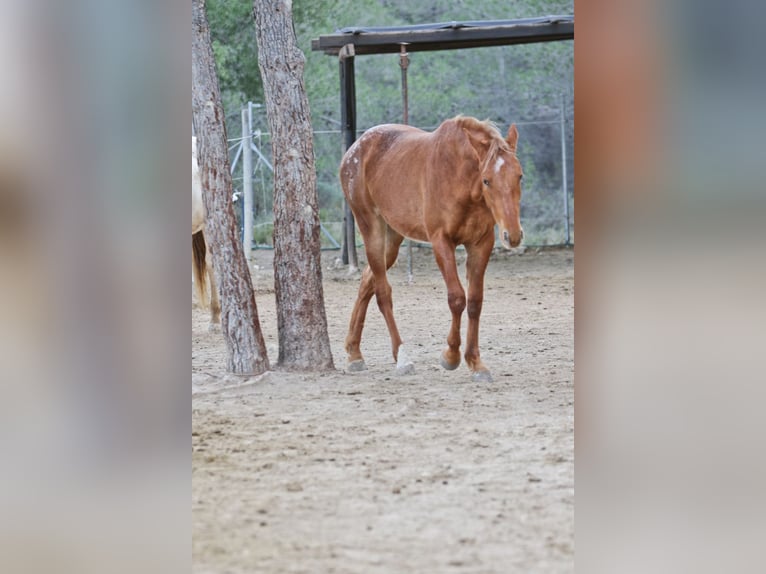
{"points": [[406, 218], [198, 213], [198, 205], [415, 232]]}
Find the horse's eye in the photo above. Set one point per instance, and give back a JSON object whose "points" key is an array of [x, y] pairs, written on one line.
{"points": [[486, 182]]}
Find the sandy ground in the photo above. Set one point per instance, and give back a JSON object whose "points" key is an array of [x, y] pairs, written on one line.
{"points": [[370, 472]]}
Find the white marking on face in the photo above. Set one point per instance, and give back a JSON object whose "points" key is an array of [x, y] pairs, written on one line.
{"points": [[498, 164]]}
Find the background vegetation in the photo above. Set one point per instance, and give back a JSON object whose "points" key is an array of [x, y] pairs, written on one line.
{"points": [[525, 84]]}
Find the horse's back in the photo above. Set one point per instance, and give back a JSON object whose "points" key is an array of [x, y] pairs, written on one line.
{"points": [[382, 173], [381, 144]]}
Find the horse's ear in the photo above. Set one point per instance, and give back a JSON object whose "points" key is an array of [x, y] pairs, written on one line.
{"points": [[479, 142], [513, 137]]}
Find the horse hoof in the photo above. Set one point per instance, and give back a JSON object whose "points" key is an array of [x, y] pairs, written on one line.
{"points": [[481, 377], [406, 369], [447, 365], [404, 365], [356, 366]]}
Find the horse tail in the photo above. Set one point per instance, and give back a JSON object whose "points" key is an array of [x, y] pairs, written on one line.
{"points": [[199, 267]]}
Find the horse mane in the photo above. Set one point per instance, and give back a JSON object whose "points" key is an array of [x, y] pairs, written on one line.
{"points": [[489, 128]]}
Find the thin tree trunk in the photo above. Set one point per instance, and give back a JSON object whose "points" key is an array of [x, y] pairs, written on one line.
{"points": [[239, 314], [301, 321]]}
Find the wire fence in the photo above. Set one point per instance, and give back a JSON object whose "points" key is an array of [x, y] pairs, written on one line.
{"points": [[545, 151]]}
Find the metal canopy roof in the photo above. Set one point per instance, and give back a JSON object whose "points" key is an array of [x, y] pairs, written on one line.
{"points": [[350, 42], [447, 35]]}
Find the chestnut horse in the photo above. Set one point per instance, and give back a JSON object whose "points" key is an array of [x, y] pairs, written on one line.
{"points": [[448, 187], [202, 268]]}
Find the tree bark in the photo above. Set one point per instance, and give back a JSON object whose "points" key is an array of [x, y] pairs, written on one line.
{"points": [[304, 343], [239, 314]]}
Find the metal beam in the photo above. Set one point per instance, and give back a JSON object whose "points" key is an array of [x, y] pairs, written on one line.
{"points": [[448, 35]]}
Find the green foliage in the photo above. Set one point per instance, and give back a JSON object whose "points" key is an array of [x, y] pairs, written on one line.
{"points": [[236, 53], [506, 84]]}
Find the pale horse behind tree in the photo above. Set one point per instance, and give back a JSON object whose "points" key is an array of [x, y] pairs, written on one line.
{"points": [[202, 265]]}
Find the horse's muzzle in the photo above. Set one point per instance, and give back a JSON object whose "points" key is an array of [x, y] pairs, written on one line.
{"points": [[512, 240]]}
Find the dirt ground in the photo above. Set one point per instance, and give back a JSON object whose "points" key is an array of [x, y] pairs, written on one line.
{"points": [[372, 472]]}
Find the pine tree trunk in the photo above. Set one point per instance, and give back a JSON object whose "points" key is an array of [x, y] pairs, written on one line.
{"points": [[239, 314], [304, 343]]}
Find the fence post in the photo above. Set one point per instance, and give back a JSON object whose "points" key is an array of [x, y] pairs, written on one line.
{"points": [[247, 183], [404, 62], [348, 121], [564, 182]]}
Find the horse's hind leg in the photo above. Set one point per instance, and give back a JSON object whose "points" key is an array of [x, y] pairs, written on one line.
{"points": [[386, 251], [382, 247], [215, 303], [366, 290]]}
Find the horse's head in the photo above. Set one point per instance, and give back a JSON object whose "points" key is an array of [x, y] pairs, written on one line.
{"points": [[500, 177]]}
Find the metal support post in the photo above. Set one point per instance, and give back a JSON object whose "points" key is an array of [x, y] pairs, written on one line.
{"points": [[404, 62], [348, 127], [247, 182]]}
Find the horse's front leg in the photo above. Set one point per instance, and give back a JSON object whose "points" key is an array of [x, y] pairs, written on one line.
{"points": [[476, 265], [444, 251]]}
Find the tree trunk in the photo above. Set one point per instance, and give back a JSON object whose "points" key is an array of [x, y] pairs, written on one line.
{"points": [[301, 321], [239, 314]]}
